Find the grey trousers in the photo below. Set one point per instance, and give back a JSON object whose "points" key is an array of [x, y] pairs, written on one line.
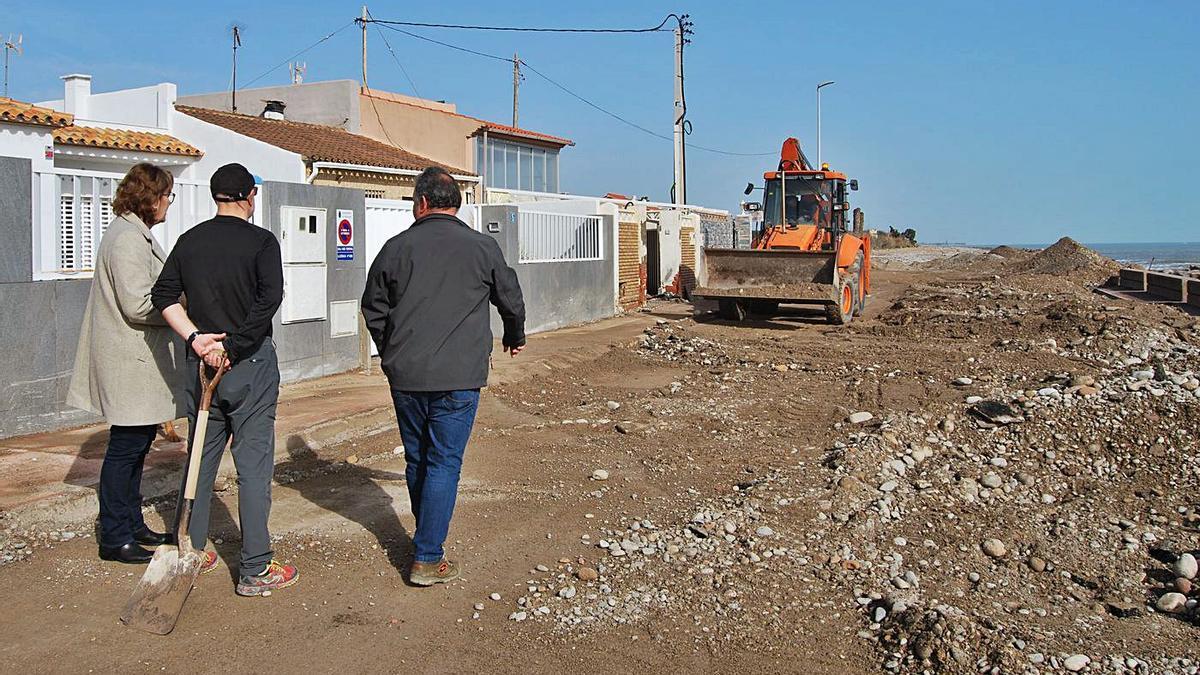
{"points": [[242, 407]]}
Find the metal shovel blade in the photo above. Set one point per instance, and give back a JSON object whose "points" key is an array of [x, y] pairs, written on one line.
{"points": [[158, 599], [159, 596]]}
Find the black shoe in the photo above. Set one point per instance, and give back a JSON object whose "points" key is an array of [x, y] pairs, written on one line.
{"points": [[149, 537], [131, 554]]}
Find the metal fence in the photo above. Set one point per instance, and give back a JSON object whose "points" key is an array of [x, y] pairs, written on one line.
{"points": [[555, 237]]}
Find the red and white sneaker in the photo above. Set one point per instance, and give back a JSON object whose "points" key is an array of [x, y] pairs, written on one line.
{"points": [[210, 562], [276, 576]]}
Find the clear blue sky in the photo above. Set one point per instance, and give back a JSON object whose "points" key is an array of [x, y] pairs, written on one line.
{"points": [[970, 121]]}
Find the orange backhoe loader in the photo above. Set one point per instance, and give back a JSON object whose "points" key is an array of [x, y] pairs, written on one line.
{"points": [[802, 254]]}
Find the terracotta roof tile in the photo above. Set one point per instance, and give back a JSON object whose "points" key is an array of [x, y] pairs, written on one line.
{"points": [[123, 139], [317, 143], [491, 126], [18, 112], [522, 133]]}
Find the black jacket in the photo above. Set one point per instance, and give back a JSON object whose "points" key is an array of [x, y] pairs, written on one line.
{"points": [[426, 305], [232, 275]]}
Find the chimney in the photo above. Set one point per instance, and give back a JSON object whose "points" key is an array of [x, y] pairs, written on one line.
{"points": [[274, 110], [78, 91]]}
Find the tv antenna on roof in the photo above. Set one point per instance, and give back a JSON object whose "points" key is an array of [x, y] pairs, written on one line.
{"points": [[10, 46], [298, 70], [236, 29]]}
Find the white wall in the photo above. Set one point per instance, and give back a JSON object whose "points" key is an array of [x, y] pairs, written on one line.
{"points": [[669, 247], [222, 146], [147, 108], [27, 142]]}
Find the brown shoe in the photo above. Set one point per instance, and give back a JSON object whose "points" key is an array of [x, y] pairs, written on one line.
{"points": [[428, 574]]}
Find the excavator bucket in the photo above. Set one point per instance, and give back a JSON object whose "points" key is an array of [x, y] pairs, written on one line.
{"points": [[772, 276]]}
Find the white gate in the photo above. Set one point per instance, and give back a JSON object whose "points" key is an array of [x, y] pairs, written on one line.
{"points": [[559, 237]]}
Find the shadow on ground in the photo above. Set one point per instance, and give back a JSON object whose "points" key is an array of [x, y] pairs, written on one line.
{"points": [[353, 493]]}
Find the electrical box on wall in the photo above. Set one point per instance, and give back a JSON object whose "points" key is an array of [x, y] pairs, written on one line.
{"points": [[343, 318], [304, 240], [305, 247], [304, 293]]}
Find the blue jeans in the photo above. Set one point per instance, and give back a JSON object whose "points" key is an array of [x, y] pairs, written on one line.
{"points": [[121, 483], [435, 427]]}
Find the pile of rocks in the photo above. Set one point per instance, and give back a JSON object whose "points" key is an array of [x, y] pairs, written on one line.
{"points": [[1034, 516], [703, 566]]}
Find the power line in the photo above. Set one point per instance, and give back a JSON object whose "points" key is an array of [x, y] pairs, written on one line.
{"points": [[634, 124], [397, 59], [573, 94], [379, 119], [520, 29], [447, 44], [299, 53]]}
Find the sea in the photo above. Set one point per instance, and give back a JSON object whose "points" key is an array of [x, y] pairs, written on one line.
{"points": [[1159, 256], [1152, 255]]}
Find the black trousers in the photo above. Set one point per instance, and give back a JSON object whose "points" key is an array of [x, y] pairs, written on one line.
{"points": [[121, 483]]}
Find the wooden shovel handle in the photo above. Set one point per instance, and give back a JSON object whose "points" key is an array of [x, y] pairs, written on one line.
{"points": [[208, 387]]}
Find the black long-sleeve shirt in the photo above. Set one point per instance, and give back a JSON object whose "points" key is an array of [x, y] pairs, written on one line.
{"points": [[426, 305], [232, 274]]}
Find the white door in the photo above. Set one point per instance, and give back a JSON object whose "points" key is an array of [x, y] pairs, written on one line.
{"points": [[386, 218]]}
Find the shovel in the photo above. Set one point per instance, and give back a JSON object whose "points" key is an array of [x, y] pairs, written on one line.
{"points": [[158, 599]]}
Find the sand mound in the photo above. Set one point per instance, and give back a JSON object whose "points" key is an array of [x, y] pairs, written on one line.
{"points": [[1066, 257], [1010, 252], [976, 261]]}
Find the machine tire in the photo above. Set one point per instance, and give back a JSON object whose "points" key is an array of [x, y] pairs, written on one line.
{"points": [[764, 307], [857, 273], [732, 310], [842, 312]]}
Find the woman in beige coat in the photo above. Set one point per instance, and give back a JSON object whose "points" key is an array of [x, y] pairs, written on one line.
{"points": [[123, 365]]}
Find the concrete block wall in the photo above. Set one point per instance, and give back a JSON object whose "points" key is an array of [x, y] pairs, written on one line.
{"points": [[556, 294], [1166, 286], [40, 330], [41, 320], [1131, 279], [306, 349]]}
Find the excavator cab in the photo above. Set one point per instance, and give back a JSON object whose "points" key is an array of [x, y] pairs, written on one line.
{"points": [[805, 202]]}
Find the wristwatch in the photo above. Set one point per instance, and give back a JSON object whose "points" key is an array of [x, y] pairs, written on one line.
{"points": [[191, 338]]}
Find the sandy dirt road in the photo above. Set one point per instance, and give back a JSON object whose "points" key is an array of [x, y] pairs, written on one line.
{"points": [[701, 425]]}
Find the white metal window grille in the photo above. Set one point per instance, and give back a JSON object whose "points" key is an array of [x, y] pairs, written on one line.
{"points": [[107, 191], [84, 212], [67, 229], [73, 209], [87, 232], [556, 237]]}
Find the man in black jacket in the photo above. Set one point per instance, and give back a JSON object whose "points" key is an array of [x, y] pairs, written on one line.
{"points": [[426, 306], [231, 272]]}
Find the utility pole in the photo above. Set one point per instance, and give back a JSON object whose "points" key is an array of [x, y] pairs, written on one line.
{"points": [[516, 84], [237, 42], [10, 46], [363, 21], [681, 33]]}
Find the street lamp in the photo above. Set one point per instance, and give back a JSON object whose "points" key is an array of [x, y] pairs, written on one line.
{"points": [[819, 86]]}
